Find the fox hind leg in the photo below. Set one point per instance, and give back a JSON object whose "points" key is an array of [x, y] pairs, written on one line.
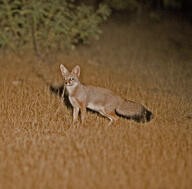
{"points": [[111, 116]]}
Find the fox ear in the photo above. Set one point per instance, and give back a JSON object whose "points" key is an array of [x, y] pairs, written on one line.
{"points": [[64, 70], [76, 71]]}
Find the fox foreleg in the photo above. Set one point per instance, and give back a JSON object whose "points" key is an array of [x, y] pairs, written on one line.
{"points": [[83, 113], [75, 114]]}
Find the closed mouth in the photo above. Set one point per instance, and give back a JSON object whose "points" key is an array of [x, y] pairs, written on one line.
{"points": [[68, 84]]}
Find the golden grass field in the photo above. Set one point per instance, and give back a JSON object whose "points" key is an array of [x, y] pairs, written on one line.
{"points": [[148, 62]]}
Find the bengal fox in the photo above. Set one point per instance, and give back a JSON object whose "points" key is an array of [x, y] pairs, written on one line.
{"points": [[99, 99]]}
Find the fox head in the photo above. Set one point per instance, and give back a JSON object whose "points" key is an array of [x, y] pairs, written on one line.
{"points": [[70, 79]]}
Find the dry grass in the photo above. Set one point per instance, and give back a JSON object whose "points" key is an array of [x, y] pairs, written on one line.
{"points": [[39, 148]]}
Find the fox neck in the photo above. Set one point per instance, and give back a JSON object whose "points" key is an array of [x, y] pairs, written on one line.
{"points": [[74, 88]]}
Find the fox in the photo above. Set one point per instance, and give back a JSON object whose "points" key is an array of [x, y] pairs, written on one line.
{"points": [[98, 99]]}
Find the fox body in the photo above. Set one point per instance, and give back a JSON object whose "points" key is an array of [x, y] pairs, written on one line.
{"points": [[99, 99]]}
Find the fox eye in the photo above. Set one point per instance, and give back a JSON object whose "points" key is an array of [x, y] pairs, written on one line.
{"points": [[71, 79]]}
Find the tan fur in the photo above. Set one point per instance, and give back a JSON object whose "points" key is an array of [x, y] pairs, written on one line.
{"points": [[98, 99]]}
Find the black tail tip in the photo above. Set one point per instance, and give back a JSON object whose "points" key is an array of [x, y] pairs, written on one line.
{"points": [[148, 115], [145, 117]]}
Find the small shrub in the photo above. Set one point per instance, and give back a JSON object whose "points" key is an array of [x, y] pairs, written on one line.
{"points": [[48, 24]]}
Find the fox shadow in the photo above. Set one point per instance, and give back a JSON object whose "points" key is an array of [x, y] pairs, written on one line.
{"points": [[59, 91]]}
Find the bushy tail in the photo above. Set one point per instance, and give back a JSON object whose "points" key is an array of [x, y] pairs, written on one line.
{"points": [[134, 111]]}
